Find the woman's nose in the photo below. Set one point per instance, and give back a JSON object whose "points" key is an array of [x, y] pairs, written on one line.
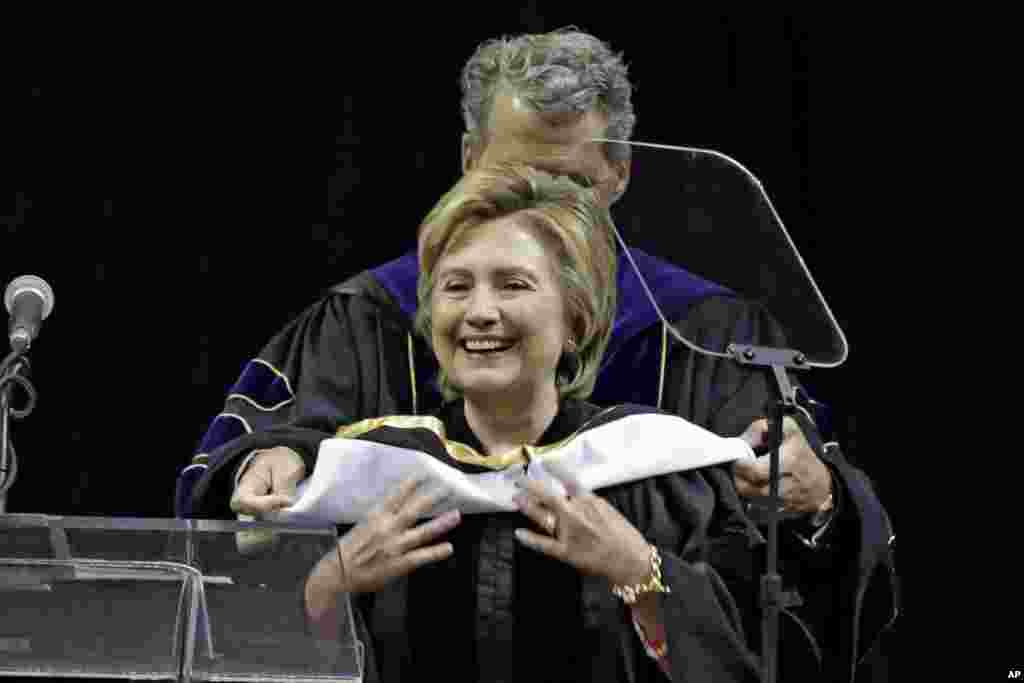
{"points": [[482, 309]]}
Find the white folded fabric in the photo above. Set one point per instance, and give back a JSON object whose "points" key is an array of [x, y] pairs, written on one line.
{"points": [[353, 475]]}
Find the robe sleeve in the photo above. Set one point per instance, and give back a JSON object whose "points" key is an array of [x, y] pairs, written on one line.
{"points": [[324, 369], [702, 625], [683, 514]]}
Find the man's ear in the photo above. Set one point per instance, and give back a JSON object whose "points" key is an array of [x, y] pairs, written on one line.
{"points": [[468, 153]]}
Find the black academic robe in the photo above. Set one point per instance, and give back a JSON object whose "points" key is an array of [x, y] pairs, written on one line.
{"points": [[497, 611], [351, 356]]}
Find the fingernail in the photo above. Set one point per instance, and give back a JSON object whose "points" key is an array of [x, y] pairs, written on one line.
{"points": [[450, 518], [520, 535]]}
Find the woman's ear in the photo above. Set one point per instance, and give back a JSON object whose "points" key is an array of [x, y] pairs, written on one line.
{"points": [[622, 169], [468, 153], [568, 365]]}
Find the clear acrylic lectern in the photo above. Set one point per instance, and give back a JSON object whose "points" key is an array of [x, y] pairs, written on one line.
{"points": [[181, 600]]}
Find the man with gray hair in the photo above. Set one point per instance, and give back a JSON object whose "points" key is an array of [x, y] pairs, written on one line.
{"points": [[541, 100], [565, 78]]}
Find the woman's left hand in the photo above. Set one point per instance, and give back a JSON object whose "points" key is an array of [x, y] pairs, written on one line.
{"points": [[586, 532]]}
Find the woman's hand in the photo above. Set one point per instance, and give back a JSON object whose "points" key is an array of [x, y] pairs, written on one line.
{"points": [[386, 545], [586, 532], [269, 481], [376, 551]]}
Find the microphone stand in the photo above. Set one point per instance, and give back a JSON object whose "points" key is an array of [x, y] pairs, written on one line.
{"points": [[772, 597], [14, 370]]}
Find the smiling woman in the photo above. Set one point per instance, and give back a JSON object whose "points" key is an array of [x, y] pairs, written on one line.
{"points": [[517, 299], [499, 319], [524, 258], [517, 281]]}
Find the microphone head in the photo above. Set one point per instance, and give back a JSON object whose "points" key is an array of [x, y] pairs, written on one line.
{"points": [[30, 283]]}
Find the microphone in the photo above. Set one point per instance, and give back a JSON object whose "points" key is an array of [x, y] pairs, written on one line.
{"points": [[29, 300]]}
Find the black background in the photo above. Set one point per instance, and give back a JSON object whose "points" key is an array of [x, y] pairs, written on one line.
{"points": [[185, 202]]}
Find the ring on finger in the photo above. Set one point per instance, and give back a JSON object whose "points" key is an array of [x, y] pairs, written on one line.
{"points": [[551, 523]]}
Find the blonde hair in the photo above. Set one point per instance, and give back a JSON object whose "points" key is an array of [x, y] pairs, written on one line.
{"points": [[567, 217]]}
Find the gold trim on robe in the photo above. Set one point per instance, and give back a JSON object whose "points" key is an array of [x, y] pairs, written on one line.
{"points": [[460, 451]]}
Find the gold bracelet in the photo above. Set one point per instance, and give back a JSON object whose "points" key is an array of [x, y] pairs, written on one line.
{"points": [[630, 594]]}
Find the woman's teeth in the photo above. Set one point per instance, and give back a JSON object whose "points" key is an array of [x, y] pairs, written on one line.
{"points": [[486, 345]]}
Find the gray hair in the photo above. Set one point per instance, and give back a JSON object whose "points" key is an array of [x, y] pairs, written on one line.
{"points": [[562, 71]]}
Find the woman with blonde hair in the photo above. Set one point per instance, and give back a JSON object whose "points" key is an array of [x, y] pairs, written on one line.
{"points": [[517, 298]]}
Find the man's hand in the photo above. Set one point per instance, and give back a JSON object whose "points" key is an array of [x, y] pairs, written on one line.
{"points": [[269, 482], [804, 481]]}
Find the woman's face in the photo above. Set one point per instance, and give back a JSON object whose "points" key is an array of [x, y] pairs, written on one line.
{"points": [[498, 311]]}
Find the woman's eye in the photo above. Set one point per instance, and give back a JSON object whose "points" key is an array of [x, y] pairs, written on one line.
{"points": [[455, 287], [516, 284]]}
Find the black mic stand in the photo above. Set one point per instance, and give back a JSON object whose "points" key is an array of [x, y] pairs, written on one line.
{"points": [[772, 597], [13, 371]]}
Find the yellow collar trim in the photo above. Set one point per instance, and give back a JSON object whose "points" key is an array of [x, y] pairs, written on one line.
{"points": [[458, 451]]}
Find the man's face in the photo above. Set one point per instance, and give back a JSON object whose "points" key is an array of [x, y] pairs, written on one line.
{"points": [[559, 144]]}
